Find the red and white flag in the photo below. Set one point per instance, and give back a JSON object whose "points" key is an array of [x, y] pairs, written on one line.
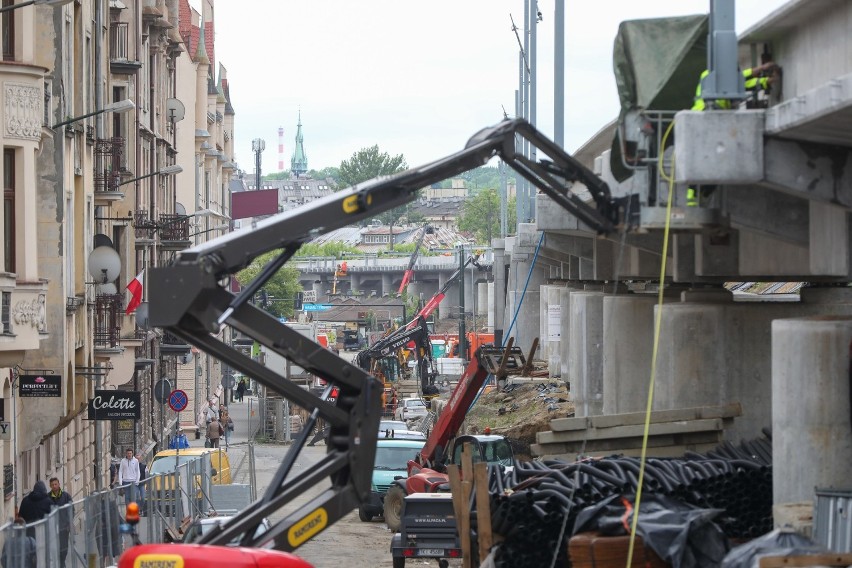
{"points": [[135, 289]]}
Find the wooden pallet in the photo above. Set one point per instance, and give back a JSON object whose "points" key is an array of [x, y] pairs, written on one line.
{"points": [[803, 560], [592, 550]]}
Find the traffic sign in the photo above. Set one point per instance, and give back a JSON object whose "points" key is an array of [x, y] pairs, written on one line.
{"points": [[178, 400], [5, 431], [316, 307], [162, 388]]}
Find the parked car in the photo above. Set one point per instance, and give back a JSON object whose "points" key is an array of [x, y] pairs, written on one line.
{"points": [[402, 435], [391, 461], [392, 425], [410, 408], [203, 525]]}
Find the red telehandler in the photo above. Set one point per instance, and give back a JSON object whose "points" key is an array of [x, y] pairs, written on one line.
{"points": [[192, 299]]}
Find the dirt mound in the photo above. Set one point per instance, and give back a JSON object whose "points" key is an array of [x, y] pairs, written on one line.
{"points": [[519, 412]]}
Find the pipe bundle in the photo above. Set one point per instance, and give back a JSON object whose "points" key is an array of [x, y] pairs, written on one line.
{"points": [[531, 504]]}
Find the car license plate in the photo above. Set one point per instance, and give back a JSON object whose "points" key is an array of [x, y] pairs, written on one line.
{"points": [[430, 552]]}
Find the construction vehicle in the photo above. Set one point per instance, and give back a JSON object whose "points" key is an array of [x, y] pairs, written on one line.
{"points": [[427, 472], [192, 300], [409, 272]]}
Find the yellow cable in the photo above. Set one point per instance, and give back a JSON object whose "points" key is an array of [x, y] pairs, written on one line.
{"points": [[657, 325]]}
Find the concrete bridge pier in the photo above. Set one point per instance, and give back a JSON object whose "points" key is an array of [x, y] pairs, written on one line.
{"points": [[628, 326], [387, 284], [551, 332], [354, 282], [585, 359], [811, 377]]}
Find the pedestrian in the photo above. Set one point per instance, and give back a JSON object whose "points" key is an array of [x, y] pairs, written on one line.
{"points": [[210, 412], [128, 476], [241, 389], [140, 486], [61, 500], [180, 441], [19, 550], [35, 506], [227, 423], [214, 432]]}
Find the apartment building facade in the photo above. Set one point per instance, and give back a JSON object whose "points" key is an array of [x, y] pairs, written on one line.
{"points": [[96, 191]]}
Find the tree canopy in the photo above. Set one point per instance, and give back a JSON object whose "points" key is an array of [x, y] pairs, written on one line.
{"points": [[333, 248], [281, 289], [368, 163], [481, 216]]}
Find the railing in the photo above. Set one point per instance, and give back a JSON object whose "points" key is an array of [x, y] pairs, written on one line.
{"points": [[174, 227], [8, 480], [88, 532], [108, 319], [6, 313], [145, 228], [108, 164], [118, 41]]}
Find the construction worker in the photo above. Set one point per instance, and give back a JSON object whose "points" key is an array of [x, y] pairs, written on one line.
{"points": [[756, 79]]}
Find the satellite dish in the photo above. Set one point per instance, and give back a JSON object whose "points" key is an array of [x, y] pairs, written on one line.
{"points": [[180, 209], [101, 240], [108, 289], [175, 110], [104, 264]]}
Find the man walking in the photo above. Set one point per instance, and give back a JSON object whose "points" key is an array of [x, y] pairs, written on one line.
{"points": [[241, 390], [140, 487], [214, 432], [35, 506], [128, 474], [60, 498]]}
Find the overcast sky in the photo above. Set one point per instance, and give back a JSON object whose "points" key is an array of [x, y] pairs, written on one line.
{"points": [[416, 78]]}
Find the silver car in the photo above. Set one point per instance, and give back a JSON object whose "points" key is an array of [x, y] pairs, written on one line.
{"points": [[410, 409]]}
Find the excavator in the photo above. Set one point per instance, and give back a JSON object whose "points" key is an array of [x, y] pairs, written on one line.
{"points": [[192, 299], [384, 358], [409, 271]]}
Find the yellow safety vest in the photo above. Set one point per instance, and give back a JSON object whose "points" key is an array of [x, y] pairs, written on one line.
{"points": [[751, 83]]}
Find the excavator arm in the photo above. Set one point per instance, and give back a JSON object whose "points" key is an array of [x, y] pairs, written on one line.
{"points": [[192, 299]]}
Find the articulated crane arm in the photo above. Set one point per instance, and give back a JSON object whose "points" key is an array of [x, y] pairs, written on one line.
{"points": [[192, 300]]}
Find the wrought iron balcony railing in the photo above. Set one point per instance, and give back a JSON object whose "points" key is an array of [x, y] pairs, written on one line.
{"points": [[174, 227], [108, 313], [108, 164], [144, 227]]}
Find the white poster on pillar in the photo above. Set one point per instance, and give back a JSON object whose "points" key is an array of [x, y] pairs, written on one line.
{"points": [[554, 322]]}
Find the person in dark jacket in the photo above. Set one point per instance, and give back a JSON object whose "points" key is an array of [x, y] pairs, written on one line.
{"points": [[60, 498], [35, 506], [19, 550]]}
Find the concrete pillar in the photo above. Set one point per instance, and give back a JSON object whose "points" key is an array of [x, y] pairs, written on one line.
{"points": [[527, 324], [811, 445], [387, 284], [565, 333], [481, 300], [550, 331], [355, 282], [498, 300], [628, 326], [490, 307], [585, 359]]}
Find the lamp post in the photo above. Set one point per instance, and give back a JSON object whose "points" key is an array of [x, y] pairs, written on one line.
{"points": [[35, 3], [167, 171], [118, 106]]}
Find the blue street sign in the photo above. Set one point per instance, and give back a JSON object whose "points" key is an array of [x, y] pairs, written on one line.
{"points": [[178, 400], [316, 307]]}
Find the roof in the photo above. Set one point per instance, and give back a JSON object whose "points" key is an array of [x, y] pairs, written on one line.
{"points": [[387, 443]]}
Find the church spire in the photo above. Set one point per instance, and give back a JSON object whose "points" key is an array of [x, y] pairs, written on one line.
{"points": [[299, 162]]}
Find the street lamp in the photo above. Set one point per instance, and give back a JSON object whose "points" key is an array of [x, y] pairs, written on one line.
{"points": [[35, 3], [167, 171], [118, 106], [209, 213]]}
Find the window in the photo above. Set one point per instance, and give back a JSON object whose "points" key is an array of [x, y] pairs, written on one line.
{"points": [[6, 313], [8, 30], [8, 210]]}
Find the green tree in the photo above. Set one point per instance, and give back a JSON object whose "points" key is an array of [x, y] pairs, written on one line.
{"points": [[281, 289], [336, 249], [277, 176], [481, 216], [325, 173], [369, 163]]}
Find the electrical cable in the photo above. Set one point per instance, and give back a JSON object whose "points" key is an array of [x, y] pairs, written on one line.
{"points": [[657, 324]]}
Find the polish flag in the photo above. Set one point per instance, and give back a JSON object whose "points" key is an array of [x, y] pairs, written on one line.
{"points": [[135, 289]]}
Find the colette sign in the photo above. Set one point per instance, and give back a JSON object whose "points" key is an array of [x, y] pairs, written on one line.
{"points": [[115, 405], [40, 385]]}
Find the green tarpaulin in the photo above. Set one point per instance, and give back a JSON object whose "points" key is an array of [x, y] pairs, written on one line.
{"points": [[657, 64]]}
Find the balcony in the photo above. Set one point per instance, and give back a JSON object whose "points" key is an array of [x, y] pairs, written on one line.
{"points": [[174, 232], [23, 318], [145, 229], [108, 170], [108, 313], [119, 50], [173, 345]]}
